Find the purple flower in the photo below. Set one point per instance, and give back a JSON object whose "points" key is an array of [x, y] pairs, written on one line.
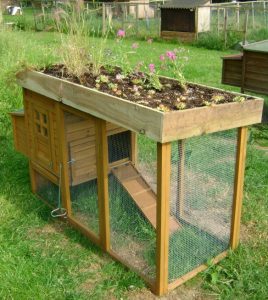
{"points": [[149, 41], [171, 55], [121, 33], [135, 46], [162, 57], [152, 68]]}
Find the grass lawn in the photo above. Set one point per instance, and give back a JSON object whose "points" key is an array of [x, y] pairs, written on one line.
{"points": [[43, 258]]}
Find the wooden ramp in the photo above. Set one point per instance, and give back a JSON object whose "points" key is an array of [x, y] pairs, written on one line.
{"points": [[141, 193]]}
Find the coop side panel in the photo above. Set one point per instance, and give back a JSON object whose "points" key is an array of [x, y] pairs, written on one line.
{"points": [[20, 132], [202, 188], [256, 72], [203, 19]]}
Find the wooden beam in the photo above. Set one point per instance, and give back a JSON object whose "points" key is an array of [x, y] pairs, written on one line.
{"points": [[162, 227], [134, 148], [159, 126], [102, 179], [32, 177], [63, 157], [238, 186]]}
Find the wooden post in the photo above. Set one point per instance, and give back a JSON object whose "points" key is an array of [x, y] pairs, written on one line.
{"points": [[237, 15], [134, 150], [253, 15], [225, 27], [65, 182], [102, 179], [181, 166], [238, 186], [103, 19], [218, 20], [245, 27], [162, 228], [32, 178], [137, 18]]}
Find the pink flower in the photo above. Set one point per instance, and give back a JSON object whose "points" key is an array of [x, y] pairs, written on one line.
{"points": [[121, 33], [171, 55], [135, 46], [162, 57], [149, 41], [152, 68]]}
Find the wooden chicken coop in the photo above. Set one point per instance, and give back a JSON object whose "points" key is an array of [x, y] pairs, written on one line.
{"points": [[248, 70], [183, 20], [159, 192]]}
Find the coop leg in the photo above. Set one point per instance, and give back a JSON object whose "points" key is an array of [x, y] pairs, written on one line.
{"points": [[181, 166], [65, 182], [238, 186], [102, 176], [162, 227], [134, 150]]}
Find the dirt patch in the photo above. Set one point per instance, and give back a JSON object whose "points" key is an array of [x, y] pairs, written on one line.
{"points": [[137, 87]]}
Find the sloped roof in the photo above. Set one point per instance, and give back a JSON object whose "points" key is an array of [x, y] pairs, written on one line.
{"points": [[184, 3]]}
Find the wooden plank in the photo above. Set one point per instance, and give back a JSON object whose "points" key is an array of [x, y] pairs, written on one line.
{"points": [[102, 177], [138, 118], [134, 148], [183, 124], [238, 186], [141, 193], [113, 109], [64, 158], [162, 229], [194, 272]]}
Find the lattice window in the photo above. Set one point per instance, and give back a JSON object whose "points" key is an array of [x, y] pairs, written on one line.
{"points": [[41, 123]]}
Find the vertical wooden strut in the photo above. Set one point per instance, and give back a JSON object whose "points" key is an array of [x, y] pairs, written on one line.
{"points": [[238, 186], [65, 182], [162, 227], [102, 177]]}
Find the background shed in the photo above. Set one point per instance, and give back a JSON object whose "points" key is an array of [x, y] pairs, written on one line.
{"points": [[184, 19]]}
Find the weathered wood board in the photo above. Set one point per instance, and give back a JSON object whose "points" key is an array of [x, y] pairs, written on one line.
{"points": [[159, 126]]}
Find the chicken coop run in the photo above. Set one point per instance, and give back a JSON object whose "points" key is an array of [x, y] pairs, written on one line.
{"points": [[159, 192], [183, 20]]}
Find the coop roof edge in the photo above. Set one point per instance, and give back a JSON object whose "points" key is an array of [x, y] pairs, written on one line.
{"points": [[159, 126]]}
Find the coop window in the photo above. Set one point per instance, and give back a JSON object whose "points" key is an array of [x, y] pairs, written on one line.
{"points": [[119, 146], [41, 123]]}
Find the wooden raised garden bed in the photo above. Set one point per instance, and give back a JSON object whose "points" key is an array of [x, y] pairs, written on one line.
{"points": [[141, 183]]}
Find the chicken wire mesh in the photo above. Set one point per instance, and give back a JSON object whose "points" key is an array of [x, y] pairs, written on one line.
{"points": [[202, 180], [133, 208], [46, 189], [81, 146]]}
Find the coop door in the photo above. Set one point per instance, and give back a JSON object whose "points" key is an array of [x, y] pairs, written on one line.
{"points": [[42, 136]]}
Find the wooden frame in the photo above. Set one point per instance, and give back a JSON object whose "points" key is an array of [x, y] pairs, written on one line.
{"points": [[238, 186], [162, 228], [159, 126]]}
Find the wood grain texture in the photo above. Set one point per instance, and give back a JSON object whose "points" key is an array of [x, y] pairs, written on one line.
{"points": [[102, 179], [238, 186], [162, 228], [203, 120], [159, 126]]}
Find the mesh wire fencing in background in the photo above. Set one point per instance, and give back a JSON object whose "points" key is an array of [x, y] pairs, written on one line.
{"points": [[202, 180], [133, 237]]}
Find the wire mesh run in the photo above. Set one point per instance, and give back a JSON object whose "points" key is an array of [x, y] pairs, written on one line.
{"points": [[81, 146], [202, 180], [133, 209], [46, 189]]}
